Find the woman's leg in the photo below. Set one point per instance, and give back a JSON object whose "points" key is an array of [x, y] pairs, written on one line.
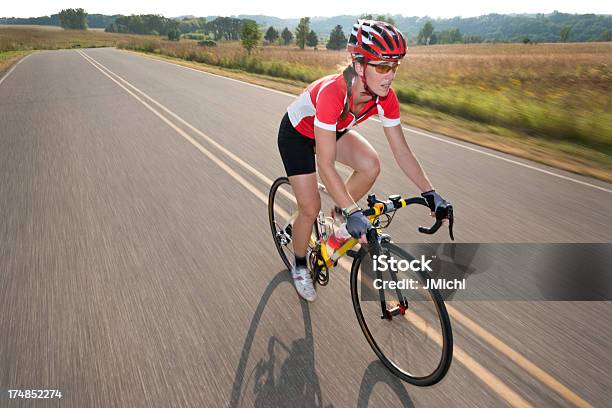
{"points": [[309, 203], [356, 152], [305, 188]]}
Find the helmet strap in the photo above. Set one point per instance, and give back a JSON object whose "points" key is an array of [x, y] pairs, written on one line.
{"points": [[364, 81]]}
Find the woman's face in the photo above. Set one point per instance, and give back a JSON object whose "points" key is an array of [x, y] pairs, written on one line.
{"points": [[379, 76]]}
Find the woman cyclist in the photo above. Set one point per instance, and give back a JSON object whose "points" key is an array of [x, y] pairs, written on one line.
{"points": [[324, 115]]}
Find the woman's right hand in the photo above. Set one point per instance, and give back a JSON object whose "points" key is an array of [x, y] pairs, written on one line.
{"points": [[357, 225]]}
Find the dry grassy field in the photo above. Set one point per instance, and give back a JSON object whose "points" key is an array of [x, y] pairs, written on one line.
{"points": [[15, 38]]}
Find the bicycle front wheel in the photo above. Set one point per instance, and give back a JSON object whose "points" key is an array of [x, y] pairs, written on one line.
{"points": [[414, 341]]}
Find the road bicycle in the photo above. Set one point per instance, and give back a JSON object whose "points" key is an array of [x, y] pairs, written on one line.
{"points": [[409, 328]]}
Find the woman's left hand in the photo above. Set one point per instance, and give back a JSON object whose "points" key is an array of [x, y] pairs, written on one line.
{"points": [[433, 201]]}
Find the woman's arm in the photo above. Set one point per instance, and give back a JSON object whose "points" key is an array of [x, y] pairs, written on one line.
{"points": [[406, 159], [326, 159]]}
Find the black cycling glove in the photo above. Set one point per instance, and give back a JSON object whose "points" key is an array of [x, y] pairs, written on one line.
{"points": [[357, 224], [433, 199]]}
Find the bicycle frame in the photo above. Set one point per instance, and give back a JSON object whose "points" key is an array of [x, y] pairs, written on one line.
{"points": [[375, 210]]}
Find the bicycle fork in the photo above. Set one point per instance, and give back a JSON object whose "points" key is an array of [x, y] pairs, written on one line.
{"points": [[402, 305], [374, 247]]}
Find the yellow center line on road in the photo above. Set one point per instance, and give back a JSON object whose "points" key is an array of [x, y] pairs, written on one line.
{"points": [[518, 359], [487, 377]]}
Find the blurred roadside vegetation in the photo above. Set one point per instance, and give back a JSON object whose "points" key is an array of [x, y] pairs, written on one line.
{"points": [[555, 91]]}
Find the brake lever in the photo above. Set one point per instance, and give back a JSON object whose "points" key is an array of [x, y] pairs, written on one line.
{"points": [[444, 211], [451, 221], [373, 244]]}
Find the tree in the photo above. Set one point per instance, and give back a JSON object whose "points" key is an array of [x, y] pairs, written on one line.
{"points": [[312, 40], [337, 40], [387, 19], [191, 25], [271, 35], [606, 35], [174, 34], [144, 24], [450, 36], [425, 34], [224, 28], [287, 36], [249, 35], [472, 39], [74, 19], [301, 32], [565, 32]]}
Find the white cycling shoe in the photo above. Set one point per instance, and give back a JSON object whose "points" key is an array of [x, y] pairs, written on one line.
{"points": [[303, 283]]}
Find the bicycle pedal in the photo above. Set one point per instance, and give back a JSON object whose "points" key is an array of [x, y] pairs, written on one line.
{"points": [[402, 309], [387, 316]]}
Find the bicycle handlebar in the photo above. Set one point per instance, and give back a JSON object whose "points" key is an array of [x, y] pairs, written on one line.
{"points": [[444, 211]]}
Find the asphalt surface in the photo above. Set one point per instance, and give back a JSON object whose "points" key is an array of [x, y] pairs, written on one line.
{"points": [[137, 268]]}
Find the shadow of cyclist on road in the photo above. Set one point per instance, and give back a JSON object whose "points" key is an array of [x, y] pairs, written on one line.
{"points": [[378, 373], [287, 385], [286, 376]]}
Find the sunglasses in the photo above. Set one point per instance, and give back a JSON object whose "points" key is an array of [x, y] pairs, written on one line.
{"points": [[384, 68]]}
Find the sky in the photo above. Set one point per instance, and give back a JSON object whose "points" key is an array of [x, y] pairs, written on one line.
{"points": [[303, 8]]}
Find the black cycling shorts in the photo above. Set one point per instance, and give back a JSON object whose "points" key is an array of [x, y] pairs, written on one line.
{"points": [[297, 150]]}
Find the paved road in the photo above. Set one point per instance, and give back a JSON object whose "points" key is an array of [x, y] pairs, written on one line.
{"points": [[124, 205]]}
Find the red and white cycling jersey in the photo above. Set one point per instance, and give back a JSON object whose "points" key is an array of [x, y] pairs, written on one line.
{"points": [[323, 100]]}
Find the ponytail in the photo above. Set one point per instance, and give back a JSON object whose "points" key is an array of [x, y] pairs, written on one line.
{"points": [[349, 74]]}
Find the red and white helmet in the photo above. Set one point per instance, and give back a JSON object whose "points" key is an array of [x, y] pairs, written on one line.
{"points": [[376, 41]]}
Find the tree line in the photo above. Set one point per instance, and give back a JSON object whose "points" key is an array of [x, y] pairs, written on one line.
{"points": [[149, 24], [554, 27], [305, 36], [428, 36], [93, 20]]}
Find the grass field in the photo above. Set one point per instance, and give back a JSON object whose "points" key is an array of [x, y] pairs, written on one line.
{"points": [[18, 38], [547, 102]]}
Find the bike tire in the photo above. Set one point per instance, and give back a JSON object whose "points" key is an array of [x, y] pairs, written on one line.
{"points": [[273, 217], [274, 221], [446, 346]]}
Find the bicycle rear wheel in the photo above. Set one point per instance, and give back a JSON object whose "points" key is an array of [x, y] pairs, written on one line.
{"points": [[416, 345], [282, 210]]}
